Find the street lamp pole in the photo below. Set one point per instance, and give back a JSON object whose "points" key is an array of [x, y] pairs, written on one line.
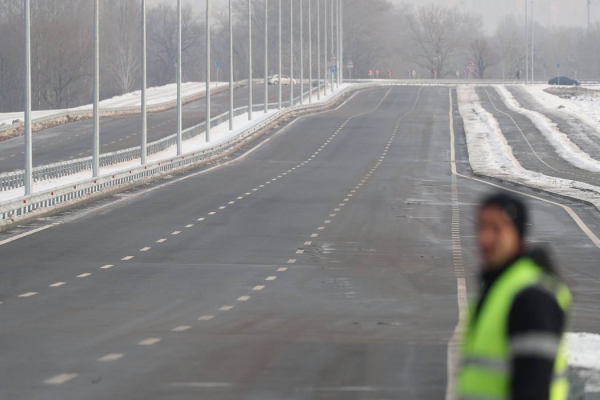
{"points": [[341, 61], [28, 137], [208, 67], [179, 100], [96, 144], [266, 56], [230, 65], [280, 98], [526, 44], [301, 52], [144, 149], [310, 81], [332, 46], [325, 50], [318, 49], [292, 53], [250, 72], [532, 45]]}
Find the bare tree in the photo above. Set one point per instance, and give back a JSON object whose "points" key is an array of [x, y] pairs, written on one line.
{"points": [[483, 55]]}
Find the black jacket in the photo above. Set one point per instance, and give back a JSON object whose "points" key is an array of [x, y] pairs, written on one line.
{"points": [[534, 311]]}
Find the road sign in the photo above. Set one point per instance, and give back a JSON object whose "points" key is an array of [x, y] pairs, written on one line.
{"points": [[350, 64], [217, 65], [370, 72], [390, 72], [376, 72]]}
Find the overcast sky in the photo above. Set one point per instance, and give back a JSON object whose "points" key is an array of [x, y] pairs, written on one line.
{"points": [[547, 12]]}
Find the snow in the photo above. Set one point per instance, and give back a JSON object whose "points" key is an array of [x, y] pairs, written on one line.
{"points": [[490, 154], [584, 354], [564, 147], [584, 108], [154, 96], [218, 135]]}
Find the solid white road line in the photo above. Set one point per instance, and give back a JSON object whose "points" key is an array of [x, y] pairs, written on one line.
{"points": [[25, 234], [209, 385]]}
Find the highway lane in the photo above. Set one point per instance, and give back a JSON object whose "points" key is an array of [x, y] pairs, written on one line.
{"points": [[330, 276], [74, 140]]}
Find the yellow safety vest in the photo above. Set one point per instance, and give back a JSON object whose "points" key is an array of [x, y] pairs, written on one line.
{"points": [[485, 371]]}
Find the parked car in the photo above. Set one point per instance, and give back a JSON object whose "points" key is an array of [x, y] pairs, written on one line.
{"points": [[285, 80], [563, 80]]}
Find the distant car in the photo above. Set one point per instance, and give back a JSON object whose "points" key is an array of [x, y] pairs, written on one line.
{"points": [[563, 80], [285, 80]]}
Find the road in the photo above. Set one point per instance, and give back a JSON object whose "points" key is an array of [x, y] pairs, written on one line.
{"points": [[74, 140], [319, 263]]}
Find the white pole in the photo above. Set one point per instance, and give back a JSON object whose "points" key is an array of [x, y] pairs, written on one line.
{"points": [[250, 72], [532, 46], [28, 137], [208, 67], [341, 61], [266, 56], [230, 66], [337, 36], [301, 53], [332, 47], [326, 49], [179, 107], [318, 49], [310, 81], [292, 53], [144, 149], [526, 45], [96, 144], [279, 95]]}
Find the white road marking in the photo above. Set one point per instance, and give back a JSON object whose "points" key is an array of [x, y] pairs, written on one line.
{"points": [[60, 379], [211, 385], [346, 199], [299, 251], [127, 258], [271, 278], [243, 298], [232, 202], [111, 357], [337, 209], [282, 269], [84, 275], [58, 284], [314, 235], [332, 215], [145, 249], [206, 318], [25, 234], [149, 341], [181, 328], [28, 294], [327, 221], [161, 240], [107, 266], [258, 288], [225, 308], [307, 243], [212, 213], [240, 198], [189, 225], [201, 219], [291, 261], [176, 233], [222, 208], [321, 228]]}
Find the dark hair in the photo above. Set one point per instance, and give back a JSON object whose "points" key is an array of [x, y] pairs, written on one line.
{"points": [[513, 207]]}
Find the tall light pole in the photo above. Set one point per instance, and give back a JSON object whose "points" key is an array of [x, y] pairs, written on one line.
{"points": [[230, 66], [292, 53], [144, 148], [28, 145], [301, 52], [589, 11], [208, 67], [338, 38], [310, 81], [266, 56], [250, 72], [325, 50], [96, 144], [179, 99], [532, 46], [341, 61], [318, 49], [332, 46], [279, 95], [526, 44]]}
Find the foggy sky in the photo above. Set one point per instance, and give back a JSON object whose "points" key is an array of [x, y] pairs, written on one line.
{"points": [[546, 12]]}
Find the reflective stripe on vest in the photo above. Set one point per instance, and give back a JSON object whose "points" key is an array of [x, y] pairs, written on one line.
{"points": [[487, 350]]}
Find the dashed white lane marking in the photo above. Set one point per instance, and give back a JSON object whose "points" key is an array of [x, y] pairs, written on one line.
{"points": [[189, 226], [176, 233], [346, 199], [271, 278], [84, 275], [58, 284], [161, 240], [243, 298], [111, 357], [337, 209], [201, 219], [206, 318], [107, 266], [226, 308], [327, 221], [258, 288], [222, 208], [282, 269], [299, 251], [307, 243], [332, 215], [181, 328], [127, 258], [321, 228], [240, 198], [145, 249], [212, 213], [28, 294], [149, 341], [314, 235], [247, 193], [231, 202], [60, 379], [210, 385], [291, 261]]}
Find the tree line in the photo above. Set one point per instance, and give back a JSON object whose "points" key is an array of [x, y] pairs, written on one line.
{"points": [[431, 40]]}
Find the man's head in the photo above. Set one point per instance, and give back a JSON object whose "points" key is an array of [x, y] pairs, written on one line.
{"points": [[501, 229]]}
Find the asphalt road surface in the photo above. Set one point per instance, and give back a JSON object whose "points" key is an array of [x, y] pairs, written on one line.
{"points": [[321, 262], [74, 140]]}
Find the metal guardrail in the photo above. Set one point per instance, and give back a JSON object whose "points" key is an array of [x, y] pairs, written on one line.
{"points": [[27, 204], [16, 179]]}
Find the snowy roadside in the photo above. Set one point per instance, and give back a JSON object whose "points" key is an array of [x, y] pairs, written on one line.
{"points": [[218, 134], [490, 155], [564, 147], [155, 96]]}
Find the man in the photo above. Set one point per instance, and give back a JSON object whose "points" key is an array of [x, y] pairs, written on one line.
{"points": [[513, 347]]}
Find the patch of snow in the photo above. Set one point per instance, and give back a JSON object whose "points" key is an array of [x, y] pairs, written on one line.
{"points": [[584, 356], [564, 147]]}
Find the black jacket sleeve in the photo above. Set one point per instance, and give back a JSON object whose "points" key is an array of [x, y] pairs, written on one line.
{"points": [[535, 327]]}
